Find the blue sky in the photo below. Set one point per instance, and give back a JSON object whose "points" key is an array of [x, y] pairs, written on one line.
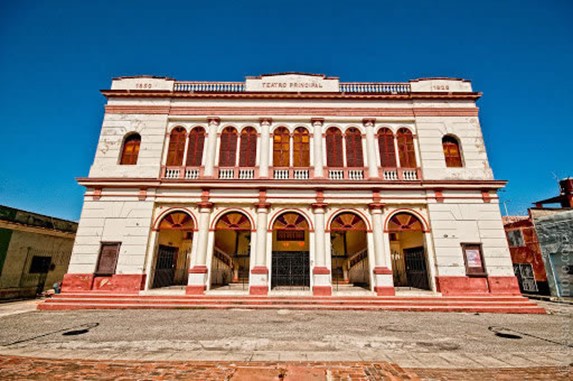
{"points": [[55, 56]]}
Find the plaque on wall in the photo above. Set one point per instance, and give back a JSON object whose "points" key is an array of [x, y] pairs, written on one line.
{"points": [[473, 259]]}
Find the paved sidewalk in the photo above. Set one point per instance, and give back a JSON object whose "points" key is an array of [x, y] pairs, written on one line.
{"points": [[18, 307]]}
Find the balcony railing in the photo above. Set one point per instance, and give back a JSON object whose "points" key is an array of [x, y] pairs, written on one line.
{"points": [[346, 173], [231, 173], [187, 173], [286, 173], [344, 87], [393, 174], [289, 173]]}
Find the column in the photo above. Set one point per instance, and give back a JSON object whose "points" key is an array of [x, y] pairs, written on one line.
{"points": [[198, 273], [259, 279], [265, 140], [317, 141], [213, 124], [321, 274], [417, 155], [430, 253], [371, 147], [384, 283]]}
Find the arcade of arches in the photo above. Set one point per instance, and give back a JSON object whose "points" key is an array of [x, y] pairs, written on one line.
{"points": [[349, 262]]}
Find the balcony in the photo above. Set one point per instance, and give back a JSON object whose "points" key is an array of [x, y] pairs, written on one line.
{"points": [[186, 173], [286, 173], [240, 173], [394, 174], [346, 173]]}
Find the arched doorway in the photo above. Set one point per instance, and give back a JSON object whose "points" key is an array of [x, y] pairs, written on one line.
{"points": [[349, 251], [409, 265], [173, 255], [291, 257], [232, 252]]}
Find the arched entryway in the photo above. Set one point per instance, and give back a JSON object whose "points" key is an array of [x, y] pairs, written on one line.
{"points": [[408, 253], [230, 264], [349, 251], [173, 254], [290, 255]]}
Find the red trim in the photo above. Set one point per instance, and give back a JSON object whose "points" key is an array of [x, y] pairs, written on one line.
{"points": [[486, 197], [195, 290], [464, 285], [439, 195], [170, 210], [293, 210], [320, 270], [258, 290], [382, 271], [199, 269], [77, 282], [385, 291], [353, 211], [425, 224], [119, 283], [321, 290], [504, 285], [231, 210], [260, 270]]}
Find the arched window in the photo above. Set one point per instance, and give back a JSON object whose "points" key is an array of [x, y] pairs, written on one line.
{"points": [[354, 157], [334, 148], [406, 148], [176, 146], [248, 151], [195, 147], [281, 147], [386, 148], [452, 151], [130, 150], [301, 148], [228, 151]]}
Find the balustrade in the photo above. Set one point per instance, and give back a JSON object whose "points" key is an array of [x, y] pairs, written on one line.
{"points": [[188, 173], [291, 173], [346, 173], [407, 174]]}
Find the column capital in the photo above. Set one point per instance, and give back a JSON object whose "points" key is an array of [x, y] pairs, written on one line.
{"points": [[205, 205], [318, 207], [265, 121], [213, 120], [375, 206], [317, 121], [262, 205], [368, 122]]}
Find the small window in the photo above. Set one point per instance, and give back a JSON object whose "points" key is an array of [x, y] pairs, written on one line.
{"points": [[130, 150], [515, 238], [452, 152], [107, 260], [473, 259], [40, 264]]}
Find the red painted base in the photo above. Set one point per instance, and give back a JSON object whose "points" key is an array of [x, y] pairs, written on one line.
{"points": [[258, 290], [195, 290], [463, 285], [260, 270], [385, 291], [321, 271], [504, 285], [77, 282], [382, 271], [119, 283], [321, 290]]}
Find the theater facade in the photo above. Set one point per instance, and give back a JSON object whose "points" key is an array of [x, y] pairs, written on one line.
{"points": [[291, 181]]}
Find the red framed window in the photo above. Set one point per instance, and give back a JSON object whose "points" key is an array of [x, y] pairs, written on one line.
{"points": [[354, 155], [248, 155], [334, 152], [195, 147], [130, 150], [406, 148], [176, 148], [386, 148], [452, 151], [301, 148], [228, 150], [281, 147]]}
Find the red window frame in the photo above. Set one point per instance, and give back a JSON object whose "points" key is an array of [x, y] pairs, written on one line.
{"points": [[248, 153], [301, 148], [176, 148], [334, 154], [386, 148], [195, 147], [281, 147], [130, 150], [228, 150], [354, 154], [452, 152], [406, 148]]}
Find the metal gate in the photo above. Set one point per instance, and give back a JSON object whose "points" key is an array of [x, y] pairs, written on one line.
{"points": [[165, 266], [290, 269], [525, 277], [416, 268]]}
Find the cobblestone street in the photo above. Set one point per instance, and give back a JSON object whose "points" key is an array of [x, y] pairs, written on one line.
{"points": [[284, 345]]}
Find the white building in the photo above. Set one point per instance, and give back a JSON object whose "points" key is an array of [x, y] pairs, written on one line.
{"points": [[291, 181]]}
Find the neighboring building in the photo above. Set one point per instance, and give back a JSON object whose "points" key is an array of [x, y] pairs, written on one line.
{"points": [[291, 181], [35, 252], [541, 245]]}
